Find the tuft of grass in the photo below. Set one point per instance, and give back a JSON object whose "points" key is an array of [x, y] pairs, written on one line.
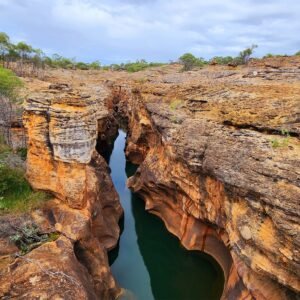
{"points": [[22, 152], [176, 103], [282, 142], [16, 195]]}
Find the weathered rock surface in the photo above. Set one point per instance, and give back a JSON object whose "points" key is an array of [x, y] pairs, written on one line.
{"points": [[63, 129], [215, 166], [218, 150]]}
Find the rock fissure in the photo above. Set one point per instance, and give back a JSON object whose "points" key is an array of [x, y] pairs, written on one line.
{"points": [[214, 200], [207, 168]]}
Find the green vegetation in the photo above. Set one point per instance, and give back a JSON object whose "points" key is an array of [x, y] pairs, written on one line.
{"points": [[25, 55], [9, 94], [9, 84], [29, 237], [220, 60], [245, 55], [22, 152], [132, 67], [189, 61], [16, 194], [282, 142], [297, 53], [24, 59], [176, 103]]}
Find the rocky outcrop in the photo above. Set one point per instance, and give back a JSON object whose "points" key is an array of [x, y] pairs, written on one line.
{"points": [[62, 129], [221, 188], [218, 151]]}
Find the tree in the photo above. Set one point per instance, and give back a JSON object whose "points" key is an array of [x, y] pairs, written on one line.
{"points": [[95, 65], [9, 87], [37, 61], [246, 54], [82, 66], [297, 53], [4, 46], [24, 50], [189, 61]]}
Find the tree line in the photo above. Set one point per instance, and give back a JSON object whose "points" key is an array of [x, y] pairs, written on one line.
{"points": [[23, 59]]}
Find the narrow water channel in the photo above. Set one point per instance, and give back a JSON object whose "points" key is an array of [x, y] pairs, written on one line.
{"points": [[149, 262]]}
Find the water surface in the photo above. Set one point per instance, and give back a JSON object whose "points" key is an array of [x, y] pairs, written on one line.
{"points": [[149, 262]]}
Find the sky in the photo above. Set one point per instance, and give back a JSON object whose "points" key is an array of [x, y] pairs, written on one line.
{"points": [[115, 31]]}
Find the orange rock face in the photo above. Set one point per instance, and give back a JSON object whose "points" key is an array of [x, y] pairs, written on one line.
{"points": [[222, 186], [218, 150], [62, 130]]}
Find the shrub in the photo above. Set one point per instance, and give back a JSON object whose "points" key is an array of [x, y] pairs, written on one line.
{"points": [[95, 65], [82, 66], [189, 61], [22, 152], [220, 60], [15, 192], [245, 55], [283, 142], [176, 103], [297, 53], [29, 237], [9, 83]]}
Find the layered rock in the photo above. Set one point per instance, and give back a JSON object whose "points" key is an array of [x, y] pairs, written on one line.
{"points": [[220, 187], [62, 129]]}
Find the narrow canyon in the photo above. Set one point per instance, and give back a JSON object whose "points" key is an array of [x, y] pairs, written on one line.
{"points": [[206, 165]]}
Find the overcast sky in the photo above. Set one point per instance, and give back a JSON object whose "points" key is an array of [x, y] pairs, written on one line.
{"points": [[158, 30]]}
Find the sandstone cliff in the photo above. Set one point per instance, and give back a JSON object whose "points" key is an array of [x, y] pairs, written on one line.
{"points": [[218, 151], [62, 129], [210, 169]]}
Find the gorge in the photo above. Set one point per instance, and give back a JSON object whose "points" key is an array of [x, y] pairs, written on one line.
{"points": [[207, 169]]}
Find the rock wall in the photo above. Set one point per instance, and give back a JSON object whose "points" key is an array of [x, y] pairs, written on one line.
{"points": [[62, 130], [223, 190]]}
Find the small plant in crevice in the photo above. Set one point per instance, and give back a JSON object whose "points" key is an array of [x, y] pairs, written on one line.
{"points": [[28, 237], [283, 142], [176, 103], [22, 152]]}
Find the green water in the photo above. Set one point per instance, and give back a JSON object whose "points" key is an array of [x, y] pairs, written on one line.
{"points": [[149, 262]]}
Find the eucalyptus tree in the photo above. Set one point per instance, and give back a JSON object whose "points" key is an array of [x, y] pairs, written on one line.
{"points": [[246, 54], [9, 88], [4, 46], [24, 50]]}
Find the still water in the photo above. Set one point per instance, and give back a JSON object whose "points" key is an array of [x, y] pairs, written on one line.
{"points": [[149, 262]]}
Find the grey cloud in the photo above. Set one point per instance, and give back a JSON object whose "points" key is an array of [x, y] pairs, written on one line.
{"points": [[115, 30]]}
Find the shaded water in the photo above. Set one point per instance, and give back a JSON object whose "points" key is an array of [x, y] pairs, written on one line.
{"points": [[149, 262]]}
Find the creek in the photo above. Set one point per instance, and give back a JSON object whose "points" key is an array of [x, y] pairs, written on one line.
{"points": [[149, 262]]}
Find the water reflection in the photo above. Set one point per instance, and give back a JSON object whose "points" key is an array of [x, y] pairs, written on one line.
{"points": [[149, 262]]}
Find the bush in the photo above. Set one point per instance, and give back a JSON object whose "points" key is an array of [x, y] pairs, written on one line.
{"points": [[82, 66], [132, 67], [297, 53], [220, 60], [245, 55], [28, 237], [22, 152], [189, 61], [176, 103], [9, 83], [95, 65], [16, 193]]}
